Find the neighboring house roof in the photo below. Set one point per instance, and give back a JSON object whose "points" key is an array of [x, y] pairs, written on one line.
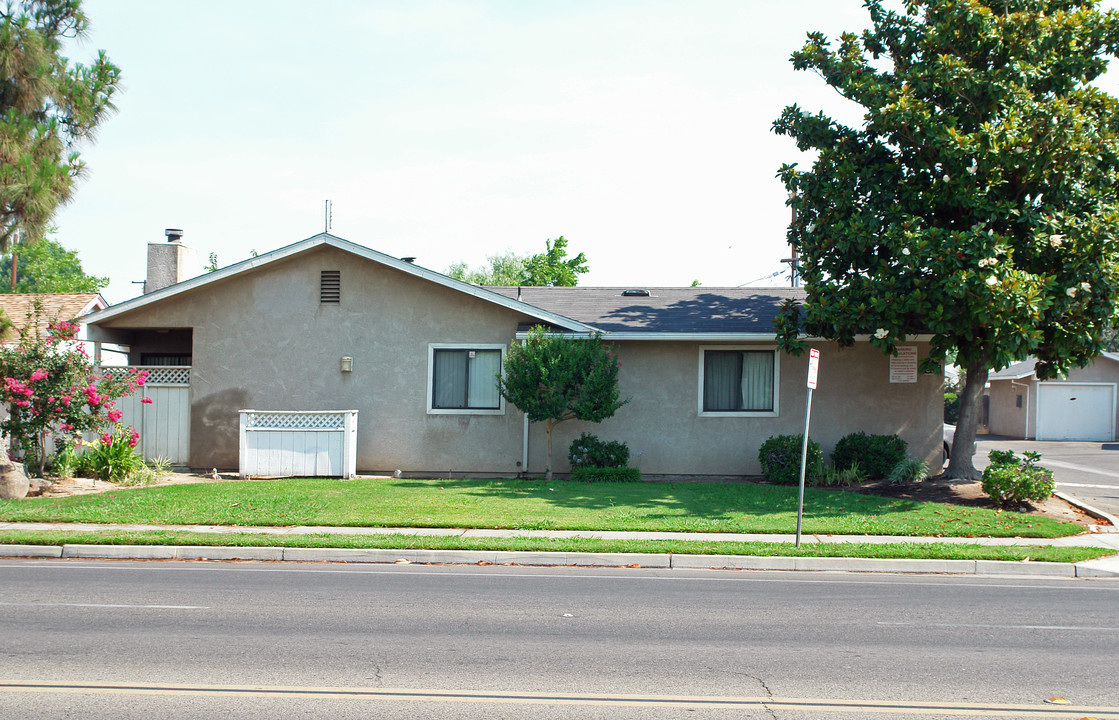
{"points": [[322, 239], [664, 312], [1025, 369], [17, 307]]}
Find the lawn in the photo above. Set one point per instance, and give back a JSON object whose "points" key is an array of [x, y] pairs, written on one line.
{"points": [[911, 550], [530, 504]]}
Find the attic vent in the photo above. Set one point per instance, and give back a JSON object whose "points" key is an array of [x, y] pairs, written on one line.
{"points": [[330, 286], [635, 293]]}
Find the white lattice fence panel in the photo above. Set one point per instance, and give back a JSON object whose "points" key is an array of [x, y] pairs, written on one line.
{"points": [[158, 375], [302, 444]]}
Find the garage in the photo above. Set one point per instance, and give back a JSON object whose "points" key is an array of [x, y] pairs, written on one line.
{"points": [[1076, 411]]}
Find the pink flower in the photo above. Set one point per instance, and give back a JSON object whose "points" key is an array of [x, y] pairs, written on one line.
{"points": [[134, 438], [39, 374], [146, 400], [106, 439], [115, 415]]}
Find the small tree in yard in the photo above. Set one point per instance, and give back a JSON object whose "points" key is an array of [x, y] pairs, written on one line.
{"points": [[51, 386], [976, 203], [552, 379]]}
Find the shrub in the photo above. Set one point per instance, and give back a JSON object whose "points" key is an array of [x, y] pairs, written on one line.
{"points": [[876, 454], [605, 474], [830, 477], [1009, 482], [909, 470], [112, 457], [780, 459], [589, 451], [951, 408]]}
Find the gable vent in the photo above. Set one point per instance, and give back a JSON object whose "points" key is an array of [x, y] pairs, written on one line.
{"points": [[330, 286]]}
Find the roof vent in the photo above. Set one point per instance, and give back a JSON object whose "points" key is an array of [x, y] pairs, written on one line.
{"points": [[635, 293], [410, 259], [173, 234]]}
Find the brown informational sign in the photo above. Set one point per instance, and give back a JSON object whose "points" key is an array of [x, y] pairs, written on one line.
{"points": [[903, 366]]}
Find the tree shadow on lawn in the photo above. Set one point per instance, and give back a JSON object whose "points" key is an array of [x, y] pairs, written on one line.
{"points": [[728, 502]]}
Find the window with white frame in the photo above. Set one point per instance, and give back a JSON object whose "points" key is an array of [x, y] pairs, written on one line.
{"points": [[463, 379], [738, 381]]}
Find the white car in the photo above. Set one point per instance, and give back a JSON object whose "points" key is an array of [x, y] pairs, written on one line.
{"points": [[949, 436]]}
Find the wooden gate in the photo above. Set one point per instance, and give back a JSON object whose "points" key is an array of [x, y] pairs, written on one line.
{"points": [[164, 423]]}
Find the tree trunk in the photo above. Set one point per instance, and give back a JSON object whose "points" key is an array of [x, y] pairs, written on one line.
{"points": [[963, 444], [549, 426]]}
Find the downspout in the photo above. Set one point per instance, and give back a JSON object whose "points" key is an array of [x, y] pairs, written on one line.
{"points": [[524, 448], [1026, 430]]}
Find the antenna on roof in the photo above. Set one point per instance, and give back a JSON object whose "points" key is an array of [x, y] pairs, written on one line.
{"points": [[327, 215]]}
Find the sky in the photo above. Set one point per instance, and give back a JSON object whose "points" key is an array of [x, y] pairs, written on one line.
{"points": [[452, 130]]}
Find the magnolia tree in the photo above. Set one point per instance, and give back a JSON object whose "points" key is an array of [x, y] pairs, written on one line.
{"points": [[53, 390], [976, 204], [551, 379]]}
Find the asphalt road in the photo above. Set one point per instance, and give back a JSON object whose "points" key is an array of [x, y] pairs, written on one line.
{"points": [[96, 640], [1088, 471]]}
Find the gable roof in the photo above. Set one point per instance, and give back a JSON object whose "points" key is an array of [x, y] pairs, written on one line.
{"points": [[1025, 369], [664, 313], [326, 239], [17, 307]]}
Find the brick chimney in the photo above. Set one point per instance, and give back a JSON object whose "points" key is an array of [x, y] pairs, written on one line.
{"points": [[170, 262]]}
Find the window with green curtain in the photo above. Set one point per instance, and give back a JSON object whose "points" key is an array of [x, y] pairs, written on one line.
{"points": [[738, 380], [466, 379]]}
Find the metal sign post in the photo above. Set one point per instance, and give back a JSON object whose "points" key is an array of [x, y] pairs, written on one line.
{"points": [[813, 373]]}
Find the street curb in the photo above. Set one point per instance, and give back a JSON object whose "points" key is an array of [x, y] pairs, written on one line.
{"points": [[1090, 568], [1094, 512]]}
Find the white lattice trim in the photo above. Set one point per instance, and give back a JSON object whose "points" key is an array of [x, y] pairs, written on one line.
{"points": [[295, 420], [158, 375]]}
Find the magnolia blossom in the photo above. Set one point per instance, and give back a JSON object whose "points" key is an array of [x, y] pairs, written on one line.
{"points": [[988, 262], [1085, 287], [992, 281], [905, 251], [1071, 292], [811, 228], [881, 333], [973, 167], [1056, 240]]}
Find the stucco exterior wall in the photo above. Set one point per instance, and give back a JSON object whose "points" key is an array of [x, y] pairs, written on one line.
{"points": [[1005, 416], [662, 421], [263, 340]]}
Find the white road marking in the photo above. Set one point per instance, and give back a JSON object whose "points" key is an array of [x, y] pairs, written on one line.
{"points": [[1076, 628], [104, 605]]}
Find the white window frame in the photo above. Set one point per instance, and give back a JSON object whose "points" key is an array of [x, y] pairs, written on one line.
{"points": [[431, 348], [775, 412]]}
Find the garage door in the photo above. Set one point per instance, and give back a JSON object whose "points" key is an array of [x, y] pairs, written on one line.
{"points": [[1067, 411]]}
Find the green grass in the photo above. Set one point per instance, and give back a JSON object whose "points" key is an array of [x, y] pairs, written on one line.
{"points": [[530, 504], [928, 551]]}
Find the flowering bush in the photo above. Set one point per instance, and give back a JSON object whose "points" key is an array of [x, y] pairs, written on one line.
{"points": [[112, 456], [52, 388]]}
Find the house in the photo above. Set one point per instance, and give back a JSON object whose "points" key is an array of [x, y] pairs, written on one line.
{"points": [[19, 307], [327, 324], [1079, 406]]}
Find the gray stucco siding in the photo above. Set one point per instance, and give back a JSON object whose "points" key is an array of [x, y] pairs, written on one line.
{"points": [[662, 421]]}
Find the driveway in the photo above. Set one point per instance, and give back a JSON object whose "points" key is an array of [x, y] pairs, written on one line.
{"points": [[1088, 471]]}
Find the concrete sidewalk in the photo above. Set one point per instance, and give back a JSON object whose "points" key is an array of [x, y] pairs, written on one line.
{"points": [[1094, 568]]}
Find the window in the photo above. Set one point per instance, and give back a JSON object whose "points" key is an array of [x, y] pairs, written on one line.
{"points": [[463, 379], [738, 381]]}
